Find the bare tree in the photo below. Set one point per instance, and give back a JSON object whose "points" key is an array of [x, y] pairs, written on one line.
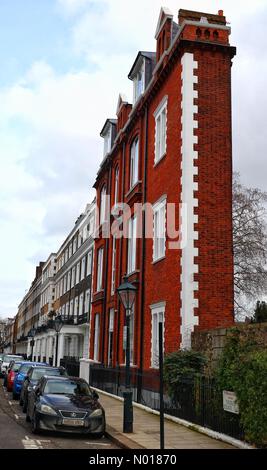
{"points": [[250, 245]]}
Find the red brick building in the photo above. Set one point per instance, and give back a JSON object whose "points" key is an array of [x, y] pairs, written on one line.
{"points": [[173, 145]]}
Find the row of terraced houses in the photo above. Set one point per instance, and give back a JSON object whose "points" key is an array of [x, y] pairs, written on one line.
{"points": [[170, 148]]}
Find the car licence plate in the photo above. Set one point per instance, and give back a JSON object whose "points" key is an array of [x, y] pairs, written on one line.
{"points": [[73, 422]]}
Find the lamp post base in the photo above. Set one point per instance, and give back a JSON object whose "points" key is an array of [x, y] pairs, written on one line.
{"points": [[128, 412]]}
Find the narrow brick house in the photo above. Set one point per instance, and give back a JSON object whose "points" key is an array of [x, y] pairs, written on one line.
{"points": [[172, 145]]}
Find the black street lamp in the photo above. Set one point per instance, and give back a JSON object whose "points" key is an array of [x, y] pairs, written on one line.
{"points": [[32, 334], [127, 293], [58, 323]]}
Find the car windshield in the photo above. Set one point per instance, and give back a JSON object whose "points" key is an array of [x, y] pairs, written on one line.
{"points": [[16, 366], [38, 373], [11, 358], [67, 387]]}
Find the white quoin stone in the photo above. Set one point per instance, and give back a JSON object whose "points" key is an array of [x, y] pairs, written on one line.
{"points": [[189, 235]]}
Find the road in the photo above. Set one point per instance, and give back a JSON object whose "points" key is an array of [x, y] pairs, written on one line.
{"points": [[15, 432]]}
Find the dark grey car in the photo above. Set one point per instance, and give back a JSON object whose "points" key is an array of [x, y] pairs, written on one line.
{"points": [[65, 404]]}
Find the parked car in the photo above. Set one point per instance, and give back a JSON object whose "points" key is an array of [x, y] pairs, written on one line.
{"points": [[10, 376], [7, 358], [21, 374], [65, 404], [33, 375]]}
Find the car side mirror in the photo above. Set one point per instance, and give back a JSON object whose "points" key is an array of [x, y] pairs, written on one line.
{"points": [[95, 395]]}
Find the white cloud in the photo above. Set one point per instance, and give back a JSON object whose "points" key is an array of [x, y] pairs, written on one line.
{"points": [[50, 147]]}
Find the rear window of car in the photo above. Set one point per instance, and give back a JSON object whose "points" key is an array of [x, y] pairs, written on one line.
{"points": [[16, 366], [38, 373], [24, 369]]}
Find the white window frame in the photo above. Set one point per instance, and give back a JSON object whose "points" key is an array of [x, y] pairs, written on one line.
{"points": [[77, 278], [65, 284], [96, 337], [113, 268], [159, 229], [161, 116], [69, 281], [157, 315], [103, 205], [100, 257], [134, 162], [132, 243], [76, 306], [73, 276], [83, 268], [87, 301], [81, 304], [89, 263]]}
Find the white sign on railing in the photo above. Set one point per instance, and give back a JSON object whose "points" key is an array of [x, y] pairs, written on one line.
{"points": [[230, 402]]}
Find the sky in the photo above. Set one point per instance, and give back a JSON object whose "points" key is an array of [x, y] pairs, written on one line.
{"points": [[63, 64]]}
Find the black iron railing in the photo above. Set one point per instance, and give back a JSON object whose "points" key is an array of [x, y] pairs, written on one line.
{"points": [[198, 401], [72, 365]]}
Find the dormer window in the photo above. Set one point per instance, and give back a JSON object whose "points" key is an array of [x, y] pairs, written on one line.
{"points": [[141, 73], [139, 83], [107, 142], [108, 133]]}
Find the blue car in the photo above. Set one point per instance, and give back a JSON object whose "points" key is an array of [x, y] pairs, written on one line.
{"points": [[21, 374]]}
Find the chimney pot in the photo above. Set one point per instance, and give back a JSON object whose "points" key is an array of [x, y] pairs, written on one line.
{"points": [[220, 12]]}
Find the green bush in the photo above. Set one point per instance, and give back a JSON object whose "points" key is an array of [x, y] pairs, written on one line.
{"points": [[243, 369], [181, 367]]}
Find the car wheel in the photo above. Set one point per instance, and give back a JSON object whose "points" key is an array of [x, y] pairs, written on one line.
{"points": [[35, 429], [14, 396]]}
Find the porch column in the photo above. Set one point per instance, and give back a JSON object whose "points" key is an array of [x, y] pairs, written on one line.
{"points": [[60, 355]]}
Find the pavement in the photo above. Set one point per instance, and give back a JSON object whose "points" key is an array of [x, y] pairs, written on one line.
{"points": [[146, 433]]}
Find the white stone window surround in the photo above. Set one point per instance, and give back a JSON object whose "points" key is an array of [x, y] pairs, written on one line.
{"points": [[134, 162], [78, 265], [157, 315], [83, 268], [100, 258], [159, 228], [103, 205], [161, 117], [89, 263], [188, 170]]}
